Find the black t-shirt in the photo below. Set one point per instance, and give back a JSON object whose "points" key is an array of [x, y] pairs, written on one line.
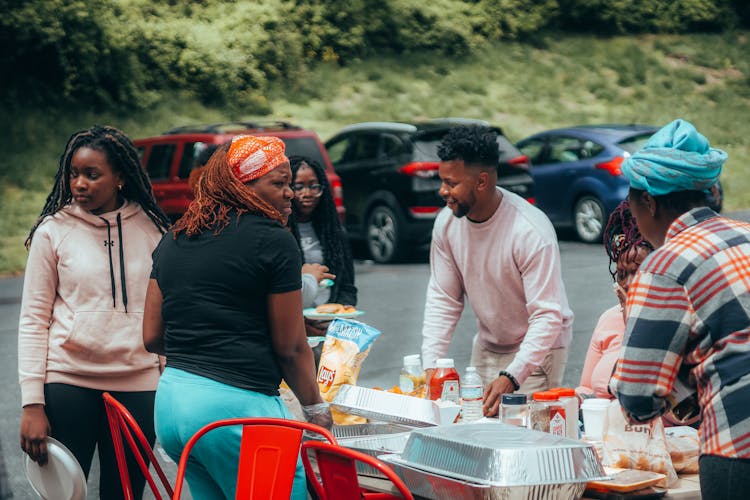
{"points": [[215, 307]]}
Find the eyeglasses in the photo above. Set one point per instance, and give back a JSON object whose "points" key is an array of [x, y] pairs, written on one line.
{"points": [[315, 189]]}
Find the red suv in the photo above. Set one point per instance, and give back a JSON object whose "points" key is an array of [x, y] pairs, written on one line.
{"points": [[168, 158]]}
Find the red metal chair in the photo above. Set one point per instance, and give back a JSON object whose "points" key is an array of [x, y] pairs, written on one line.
{"points": [[269, 449], [338, 473], [122, 423]]}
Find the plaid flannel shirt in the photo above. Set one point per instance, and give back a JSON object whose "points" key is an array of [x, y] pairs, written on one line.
{"points": [[689, 319]]}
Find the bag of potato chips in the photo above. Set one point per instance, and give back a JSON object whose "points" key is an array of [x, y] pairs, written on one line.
{"points": [[346, 346]]}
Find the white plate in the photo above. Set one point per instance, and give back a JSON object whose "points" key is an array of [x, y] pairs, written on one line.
{"points": [[61, 479], [310, 313]]}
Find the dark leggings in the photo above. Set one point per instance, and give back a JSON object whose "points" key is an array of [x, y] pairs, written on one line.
{"points": [[724, 478], [78, 420]]}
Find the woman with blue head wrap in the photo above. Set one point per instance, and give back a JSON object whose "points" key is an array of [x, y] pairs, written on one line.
{"points": [[688, 308], [672, 172]]}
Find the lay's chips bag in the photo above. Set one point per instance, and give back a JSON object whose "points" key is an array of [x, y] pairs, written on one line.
{"points": [[346, 346]]}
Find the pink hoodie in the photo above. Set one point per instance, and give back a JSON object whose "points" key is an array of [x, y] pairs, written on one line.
{"points": [[82, 309]]}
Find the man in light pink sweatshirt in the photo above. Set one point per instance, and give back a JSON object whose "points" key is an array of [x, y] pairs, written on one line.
{"points": [[494, 248]]}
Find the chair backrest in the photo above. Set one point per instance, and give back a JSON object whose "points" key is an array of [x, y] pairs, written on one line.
{"points": [[122, 423], [338, 472], [269, 449]]}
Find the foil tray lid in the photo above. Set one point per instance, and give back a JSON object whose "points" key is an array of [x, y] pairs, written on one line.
{"points": [[501, 455], [389, 407], [377, 444]]}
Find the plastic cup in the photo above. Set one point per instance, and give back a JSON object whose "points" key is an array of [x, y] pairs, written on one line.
{"points": [[594, 417]]}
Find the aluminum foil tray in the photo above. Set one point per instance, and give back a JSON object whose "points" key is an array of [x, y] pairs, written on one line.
{"points": [[501, 455], [369, 429], [431, 485], [389, 407], [374, 446]]}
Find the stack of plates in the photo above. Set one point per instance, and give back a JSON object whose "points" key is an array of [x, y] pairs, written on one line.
{"points": [[61, 478]]}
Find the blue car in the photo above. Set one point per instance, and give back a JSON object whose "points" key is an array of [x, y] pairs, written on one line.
{"points": [[577, 176]]}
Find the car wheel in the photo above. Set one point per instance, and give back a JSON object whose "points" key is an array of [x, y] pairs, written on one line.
{"points": [[589, 219], [383, 235]]}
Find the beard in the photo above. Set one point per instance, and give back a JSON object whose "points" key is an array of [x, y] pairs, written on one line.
{"points": [[461, 209]]}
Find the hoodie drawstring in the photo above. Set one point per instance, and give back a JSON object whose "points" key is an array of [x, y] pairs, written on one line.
{"points": [[122, 264], [108, 244]]}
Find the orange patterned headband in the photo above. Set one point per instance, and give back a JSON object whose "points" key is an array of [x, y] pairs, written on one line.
{"points": [[251, 156]]}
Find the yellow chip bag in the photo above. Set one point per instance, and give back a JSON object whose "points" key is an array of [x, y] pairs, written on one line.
{"points": [[346, 346]]}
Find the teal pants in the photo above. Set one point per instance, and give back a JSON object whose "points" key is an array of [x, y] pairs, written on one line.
{"points": [[186, 402]]}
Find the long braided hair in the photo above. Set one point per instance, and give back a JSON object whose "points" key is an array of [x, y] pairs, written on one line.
{"points": [[325, 220], [123, 158], [622, 237], [217, 193]]}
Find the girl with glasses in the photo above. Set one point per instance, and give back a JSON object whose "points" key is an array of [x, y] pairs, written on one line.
{"points": [[321, 238]]}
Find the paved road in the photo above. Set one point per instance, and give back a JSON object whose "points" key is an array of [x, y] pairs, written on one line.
{"points": [[393, 298]]}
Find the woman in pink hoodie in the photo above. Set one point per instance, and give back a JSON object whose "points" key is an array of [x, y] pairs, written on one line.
{"points": [[80, 331]]}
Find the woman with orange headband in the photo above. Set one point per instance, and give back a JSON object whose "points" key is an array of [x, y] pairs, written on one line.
{"points": [[221, 305]]}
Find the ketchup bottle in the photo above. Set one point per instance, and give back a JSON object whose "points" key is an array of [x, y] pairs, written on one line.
{"points": [[445, 382]]}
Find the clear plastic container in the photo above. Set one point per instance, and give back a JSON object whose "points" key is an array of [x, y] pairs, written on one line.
{"points": [[472, 392], [411, 381], [445, 381], [514, 410], [569, 400]]}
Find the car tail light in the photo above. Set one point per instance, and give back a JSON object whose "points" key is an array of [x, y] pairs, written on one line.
{"points": [[338, 198], [423, 169], [520, 161], [612, 166]]}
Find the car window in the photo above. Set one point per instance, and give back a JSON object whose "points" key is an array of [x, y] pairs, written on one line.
{"points": [[160, 160], [336, 150], [633, 144], [189, 152], [363, 147], [426, 150], [507, 150], [391, 146], [534, 149], [589, 149], [307, 147], [564, 149]]}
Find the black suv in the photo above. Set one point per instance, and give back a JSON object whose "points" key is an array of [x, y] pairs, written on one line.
{"points": [[390, 174]]}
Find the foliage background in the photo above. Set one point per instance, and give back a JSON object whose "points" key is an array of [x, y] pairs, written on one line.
{"points": [[526, 65]]}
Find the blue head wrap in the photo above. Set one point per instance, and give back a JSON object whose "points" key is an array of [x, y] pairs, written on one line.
{"points": [[675, 158]]}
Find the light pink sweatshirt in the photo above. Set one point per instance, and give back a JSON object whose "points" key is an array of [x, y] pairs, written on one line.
{"points": [[604, 349], [509, 268], [72, 330]]}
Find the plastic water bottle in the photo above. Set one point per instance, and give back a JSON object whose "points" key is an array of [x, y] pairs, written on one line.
{"points": [[471, 395]]}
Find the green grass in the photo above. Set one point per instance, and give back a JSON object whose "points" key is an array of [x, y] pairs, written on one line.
{"points": [[523, 88]]}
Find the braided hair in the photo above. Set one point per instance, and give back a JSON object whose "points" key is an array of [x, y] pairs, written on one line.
{"points": [[217, 193], [325, 221], [622, 237], [123, 158]]}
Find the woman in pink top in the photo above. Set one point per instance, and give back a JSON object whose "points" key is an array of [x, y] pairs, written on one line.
{"points": [[626, 249], [80, 330]]}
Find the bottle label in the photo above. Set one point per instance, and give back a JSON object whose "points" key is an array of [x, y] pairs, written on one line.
{"points": [[557, 424], [471, 392], [450, 391]]}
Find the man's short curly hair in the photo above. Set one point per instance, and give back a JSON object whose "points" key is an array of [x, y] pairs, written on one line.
{"points": [[474, 144]]}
